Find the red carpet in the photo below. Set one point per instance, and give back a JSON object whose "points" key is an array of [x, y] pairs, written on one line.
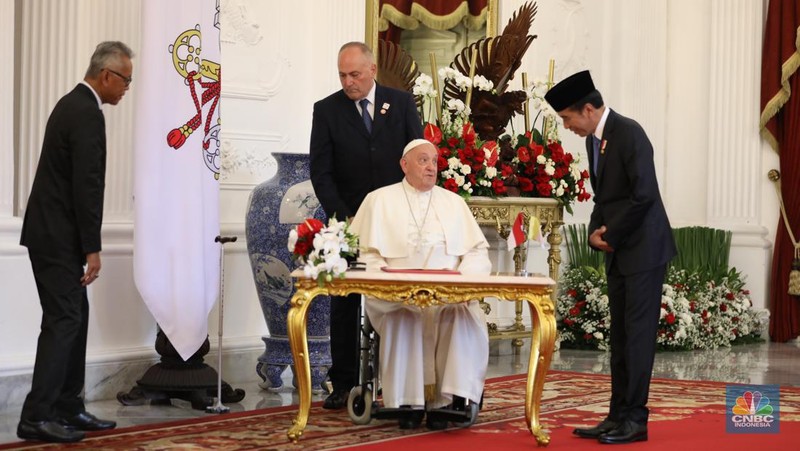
{"points": [[685, 416]]}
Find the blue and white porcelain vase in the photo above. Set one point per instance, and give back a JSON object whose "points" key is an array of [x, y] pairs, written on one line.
{"points": [[275, 207]]}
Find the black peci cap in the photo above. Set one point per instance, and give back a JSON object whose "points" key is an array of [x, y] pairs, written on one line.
{"points": [[570, 90]]}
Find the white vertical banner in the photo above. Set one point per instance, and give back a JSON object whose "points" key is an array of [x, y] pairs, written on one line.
{"points": [[176, 171]]}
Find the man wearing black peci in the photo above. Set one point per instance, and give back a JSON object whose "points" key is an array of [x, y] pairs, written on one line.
{"points": [[630, 226]]}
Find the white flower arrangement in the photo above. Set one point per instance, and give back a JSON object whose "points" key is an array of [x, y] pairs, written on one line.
{"points": [[322, 250], [694, 314]]}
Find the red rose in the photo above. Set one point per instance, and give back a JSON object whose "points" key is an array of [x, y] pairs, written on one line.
{"points": [[572, 293], [525, 184], [469, 152], [530, 168], [444, 152], [729, 296], [723, 307], [544, 189], [555, 148], [506, 170], [441, 163], [451, 185], [575, 311], [498, 186], [569, 322], [452, 142], [670, 318]]}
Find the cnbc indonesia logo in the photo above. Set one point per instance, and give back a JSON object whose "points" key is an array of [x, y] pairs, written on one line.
{"points": [[751, 411]]}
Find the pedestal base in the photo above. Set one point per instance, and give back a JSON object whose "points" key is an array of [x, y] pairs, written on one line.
{"points": [[190, 380], [196, 384], [278, 355]]}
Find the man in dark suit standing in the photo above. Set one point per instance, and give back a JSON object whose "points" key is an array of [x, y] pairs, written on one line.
{"points": [[61, 230], [357, 138], [629, 224]]}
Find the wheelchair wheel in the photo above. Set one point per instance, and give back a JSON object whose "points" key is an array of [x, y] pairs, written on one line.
{"points": [[473, 409], [359, 405]]}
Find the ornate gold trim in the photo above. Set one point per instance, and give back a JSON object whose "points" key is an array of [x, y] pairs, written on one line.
{"points": [[372, 10], [501, 213], [424, 294]]}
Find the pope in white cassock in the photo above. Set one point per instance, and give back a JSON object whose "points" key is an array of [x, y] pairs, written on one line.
{"points": [[439, 351]]}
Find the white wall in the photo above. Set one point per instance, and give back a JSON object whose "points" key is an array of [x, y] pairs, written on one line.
{"points": [[687, 70]]}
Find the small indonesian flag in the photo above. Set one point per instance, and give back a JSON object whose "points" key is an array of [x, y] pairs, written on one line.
{"points": [[517, 235]]}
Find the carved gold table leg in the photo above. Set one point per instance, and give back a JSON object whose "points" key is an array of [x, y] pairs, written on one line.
{"points": [[519, 326], [554, 255], [296, 325], [542, 340]]}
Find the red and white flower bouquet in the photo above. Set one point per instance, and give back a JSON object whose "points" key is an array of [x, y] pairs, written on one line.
{"points": [[322, 250], [536, 164]]}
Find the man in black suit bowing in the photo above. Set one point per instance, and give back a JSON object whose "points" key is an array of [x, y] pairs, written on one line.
{"points": [[357, 138], [61, 230], [629, 224]]}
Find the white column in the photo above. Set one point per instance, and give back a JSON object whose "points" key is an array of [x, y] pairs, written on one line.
{"points": [[6, 110], [735, 175], [57, 39], [117, 20], [333, 24], [734, 88], [633, 73]]}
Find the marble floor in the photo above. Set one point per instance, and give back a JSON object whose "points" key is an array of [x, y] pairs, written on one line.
{"points": [[764, 363]]}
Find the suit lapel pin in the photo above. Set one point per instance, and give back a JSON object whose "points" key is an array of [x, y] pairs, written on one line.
{"points": [[384, 107], [603, 147]]}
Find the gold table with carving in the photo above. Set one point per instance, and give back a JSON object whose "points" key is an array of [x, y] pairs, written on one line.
{"points": [[425, 290], [500, 213]]}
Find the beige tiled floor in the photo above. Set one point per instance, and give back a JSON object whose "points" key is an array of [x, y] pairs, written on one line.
{"points": [[765, 363]]}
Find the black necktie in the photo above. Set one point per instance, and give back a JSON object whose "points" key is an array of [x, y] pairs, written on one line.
{"points": [[365, 114]]}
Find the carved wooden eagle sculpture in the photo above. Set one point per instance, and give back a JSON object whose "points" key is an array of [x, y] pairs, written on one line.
{"points": [[497, 59]]}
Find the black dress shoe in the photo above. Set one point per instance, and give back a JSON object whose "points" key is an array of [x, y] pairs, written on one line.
{"points": [[627, 432], [47, 431], [411, 420], [595, 432], [435, 425], [85, 421], [336, 400]]}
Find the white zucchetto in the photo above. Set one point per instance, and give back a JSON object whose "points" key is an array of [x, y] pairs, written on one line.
{"points": [[415, 143]]}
